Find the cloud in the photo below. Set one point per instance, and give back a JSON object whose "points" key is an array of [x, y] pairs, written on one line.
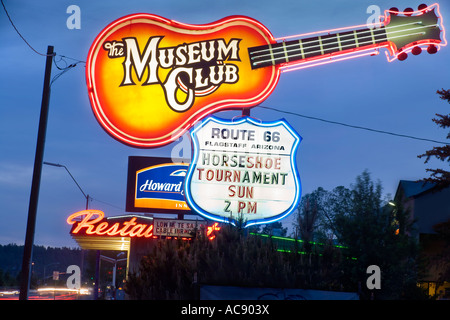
{"points": [[15, 175]]}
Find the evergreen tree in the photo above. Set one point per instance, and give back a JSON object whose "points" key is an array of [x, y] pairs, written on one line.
{"points": [[439, 176]]}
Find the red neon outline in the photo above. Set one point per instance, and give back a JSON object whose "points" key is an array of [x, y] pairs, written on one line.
{"points": [[390, 46], [422, 43], [209, 109]]}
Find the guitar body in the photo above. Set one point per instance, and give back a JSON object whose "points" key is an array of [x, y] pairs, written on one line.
{"points": [[149, 78]]}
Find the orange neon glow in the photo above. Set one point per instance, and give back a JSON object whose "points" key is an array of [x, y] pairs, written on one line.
{"points": [[150, 79], [91, 224], [210, 231]]}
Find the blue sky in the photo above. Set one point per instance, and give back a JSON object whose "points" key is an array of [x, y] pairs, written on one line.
{"points": [[397, 97]]}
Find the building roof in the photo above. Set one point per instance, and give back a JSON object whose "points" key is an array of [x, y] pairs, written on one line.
{"points": [[429, 204], [415, 188]]}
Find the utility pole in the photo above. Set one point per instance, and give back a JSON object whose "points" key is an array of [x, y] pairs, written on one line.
{"points": [[35, 184]]}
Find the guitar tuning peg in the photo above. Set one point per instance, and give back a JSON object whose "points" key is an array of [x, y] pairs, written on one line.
{"points": [[408, 11], [402, 56], [394, 11], [416, 50], [422, 7], [432, 49]]}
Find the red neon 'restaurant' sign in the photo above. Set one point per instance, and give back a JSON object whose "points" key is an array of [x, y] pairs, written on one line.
{"points": [[92, 224]]}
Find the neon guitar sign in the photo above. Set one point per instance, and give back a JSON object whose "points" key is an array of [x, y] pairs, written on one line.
{"points": [[149, 78]]}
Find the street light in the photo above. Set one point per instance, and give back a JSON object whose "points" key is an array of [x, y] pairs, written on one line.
{"points": [[394, 212], [63, 166], [84, 194]]}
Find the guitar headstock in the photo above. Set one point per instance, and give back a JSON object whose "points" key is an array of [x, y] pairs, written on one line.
{"points": [[411, 31]]}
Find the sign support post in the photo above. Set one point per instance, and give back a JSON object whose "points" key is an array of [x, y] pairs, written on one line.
{"points": [[35, 185]]}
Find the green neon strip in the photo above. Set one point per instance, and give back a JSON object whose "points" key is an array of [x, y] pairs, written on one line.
{"points": [[293, 240]]}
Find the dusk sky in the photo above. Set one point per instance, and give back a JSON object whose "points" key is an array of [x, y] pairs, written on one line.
{"points": [[398, 97]]}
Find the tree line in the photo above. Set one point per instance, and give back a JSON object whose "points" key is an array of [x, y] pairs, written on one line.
{"points": [[368, 231], [45, 261]]}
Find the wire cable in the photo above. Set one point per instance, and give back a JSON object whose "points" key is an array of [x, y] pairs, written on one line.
{"points": [[353, 126], [62, 58], [12, 23], [107, 203], [31, 47]]}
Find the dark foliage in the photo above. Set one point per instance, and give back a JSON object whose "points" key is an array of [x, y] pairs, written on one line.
{"points": [[439, 176]]}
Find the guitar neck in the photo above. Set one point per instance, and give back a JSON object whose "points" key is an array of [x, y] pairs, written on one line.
{"points": [[309, 48]]}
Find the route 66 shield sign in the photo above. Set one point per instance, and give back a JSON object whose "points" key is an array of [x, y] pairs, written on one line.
{"points": [[243, 169]]}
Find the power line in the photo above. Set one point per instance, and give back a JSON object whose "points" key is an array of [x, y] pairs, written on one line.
{"points": [[12, 23], [64, 69], [107, 203], [353, 126], [31, 47]]}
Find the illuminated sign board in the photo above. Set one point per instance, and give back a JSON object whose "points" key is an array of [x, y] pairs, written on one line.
{"points": [[243, 168], [178, 228], [155, 185], [150, 78], [93, 222]]}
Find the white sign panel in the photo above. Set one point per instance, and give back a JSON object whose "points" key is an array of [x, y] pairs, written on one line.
{"points": [[243, 168], [177, 228]]}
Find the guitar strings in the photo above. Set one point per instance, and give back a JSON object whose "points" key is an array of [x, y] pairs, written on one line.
{"points": [[337, 42], [360, 33], [350, 45], [275, 59], [284, 50]]}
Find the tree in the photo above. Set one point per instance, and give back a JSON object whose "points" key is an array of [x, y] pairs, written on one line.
{"points": [[306, 218], [271, 227], [319, 225], [369, 230], [174, 269], [442, 258], [439, 176]]}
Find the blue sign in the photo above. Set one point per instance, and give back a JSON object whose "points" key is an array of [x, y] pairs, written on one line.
{"points": [[156, 185], [161, 186]]}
